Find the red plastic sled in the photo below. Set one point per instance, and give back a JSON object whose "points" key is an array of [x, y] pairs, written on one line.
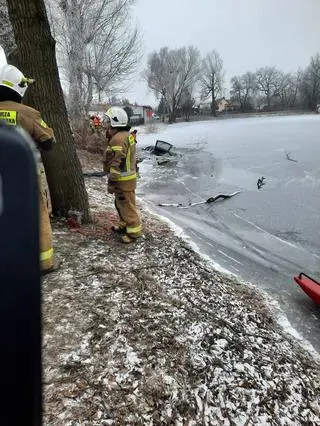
{"points": [[310, 286]]}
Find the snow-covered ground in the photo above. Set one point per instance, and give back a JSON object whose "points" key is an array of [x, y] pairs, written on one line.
{"points": [[151, 334]]}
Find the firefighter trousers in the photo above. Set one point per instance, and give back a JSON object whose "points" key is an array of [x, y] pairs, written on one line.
{"points": [[46, 249], [125, 203]]}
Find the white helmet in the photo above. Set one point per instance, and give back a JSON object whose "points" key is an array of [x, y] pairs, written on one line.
{"points": [[13, 78], [118, 117], [3, 59]]}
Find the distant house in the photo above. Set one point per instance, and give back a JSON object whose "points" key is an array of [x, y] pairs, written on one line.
{"points": [[223, 105], [142, 114]]}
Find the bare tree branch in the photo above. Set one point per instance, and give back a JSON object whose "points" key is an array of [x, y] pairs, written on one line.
{"points": [[310, 83], [98, 48], [212, 77], [243, 89], [170, 73], [269, 81]]}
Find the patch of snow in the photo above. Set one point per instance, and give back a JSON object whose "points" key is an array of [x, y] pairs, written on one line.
{"points": [[288, 328], [150, 334], [179, 232], [280, 316]]}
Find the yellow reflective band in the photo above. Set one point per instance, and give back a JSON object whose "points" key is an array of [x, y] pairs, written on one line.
{"points": [[131, 140], [46, 255], [7, 83], [43, 124], [134, 230], [116, 148], [114, 171], [128, 159], [10, 117], [125, 178]]}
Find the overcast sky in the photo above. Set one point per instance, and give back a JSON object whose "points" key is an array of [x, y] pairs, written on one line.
{"points": [[248, 34]]}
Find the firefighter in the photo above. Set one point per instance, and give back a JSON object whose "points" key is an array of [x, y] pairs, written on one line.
{"points": [[13, 86], [120, 165]]}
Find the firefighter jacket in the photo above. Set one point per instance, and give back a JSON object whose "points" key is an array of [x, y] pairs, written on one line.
{"points": [[16, 114], [30, 120], [120, 161]]}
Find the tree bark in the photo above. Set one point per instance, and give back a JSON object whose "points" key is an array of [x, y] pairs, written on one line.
{"points": [[172, 117], [173, 112], [213, 104], [269, 102], [213, 97], [37, 59], [90, 93], [75, 63]]}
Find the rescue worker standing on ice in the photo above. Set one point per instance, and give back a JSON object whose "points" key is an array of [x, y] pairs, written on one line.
{"points": [[120, 165], [13, 86]]}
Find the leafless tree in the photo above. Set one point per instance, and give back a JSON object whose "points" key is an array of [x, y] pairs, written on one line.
{"points": [[170, 72], [36, 54], [97, 46], [187, 104], [112, 59], [242, 89], [289, 89], [212, 78], [310, 83], [269, 81]]}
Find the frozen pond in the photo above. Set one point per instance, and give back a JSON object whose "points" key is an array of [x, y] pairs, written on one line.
{"points": [[264, 236]]}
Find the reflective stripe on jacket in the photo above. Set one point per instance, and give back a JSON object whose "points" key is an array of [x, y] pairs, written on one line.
{"points": [[28, 118], [120, 157]]}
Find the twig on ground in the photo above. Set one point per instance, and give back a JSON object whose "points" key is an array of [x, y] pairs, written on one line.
{"points": [[289, 158]]}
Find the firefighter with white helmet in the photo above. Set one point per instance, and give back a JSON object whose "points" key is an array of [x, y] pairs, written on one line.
{"points": [[120, 165], [13, 85], [13, 78]]}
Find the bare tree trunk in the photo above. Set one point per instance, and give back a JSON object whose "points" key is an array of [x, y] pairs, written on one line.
{"points": [[75, 62], [37, 59], [90, 93], [75, 97], [173, 112], [213, 98], [172, 116], [213, 104], [269, 102]]}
